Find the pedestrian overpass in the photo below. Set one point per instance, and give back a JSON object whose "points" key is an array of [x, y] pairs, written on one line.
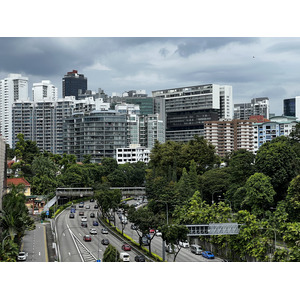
{"points": [[213, 229]]}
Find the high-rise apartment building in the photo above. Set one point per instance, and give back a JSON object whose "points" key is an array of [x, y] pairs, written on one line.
{"points": [[291, 107], [44, 90], [257, 107], [12, 88], [3, 165], [72, 83], [95, 133], [184, 110], [229, 135], [41, 121]]}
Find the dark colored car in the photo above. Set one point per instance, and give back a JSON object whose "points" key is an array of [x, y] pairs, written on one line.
{"points": [[105, 242], [84, 224], [95, 223], [92, 200], [73, 210], [126, 247], [92, 215], [87, 238], [81, 213], [95, 206], [140, 258], [133, 227], [207, 254], [71, 216]]}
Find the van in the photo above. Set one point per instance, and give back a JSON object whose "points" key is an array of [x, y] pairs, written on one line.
{"points": [[124, 256], [196, 249]]}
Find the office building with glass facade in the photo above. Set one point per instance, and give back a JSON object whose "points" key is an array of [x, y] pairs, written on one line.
{"points": [[184, 110]]}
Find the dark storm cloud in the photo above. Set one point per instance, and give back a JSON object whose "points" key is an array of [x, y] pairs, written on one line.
{"points": [[40, 56]]}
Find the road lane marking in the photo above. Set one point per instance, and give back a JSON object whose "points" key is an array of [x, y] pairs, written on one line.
{"points": [[39, 253]]}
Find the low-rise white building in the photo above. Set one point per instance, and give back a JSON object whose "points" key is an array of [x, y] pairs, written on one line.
{"points": [[132, 154]]}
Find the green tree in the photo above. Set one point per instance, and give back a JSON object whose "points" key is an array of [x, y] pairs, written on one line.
{"points": [[15, 218], [278, 160], [259, 194], [145, 219], [111, 254], [173, 234], [293, 199]]}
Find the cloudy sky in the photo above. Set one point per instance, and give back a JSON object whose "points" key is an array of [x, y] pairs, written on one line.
{"points": [[254, 67], [180, 46]]}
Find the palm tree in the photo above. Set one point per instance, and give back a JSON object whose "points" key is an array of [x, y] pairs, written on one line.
{"points": [[15, 218]]}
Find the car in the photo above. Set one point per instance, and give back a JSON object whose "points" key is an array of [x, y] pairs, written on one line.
{"points": [[126, 247], [95, 206], [151, 230], [71, 216], [84, 219], [22, 256], [92, 215], [87, 207], [158, 233], [104, 231], [111, 218], [140, 258], [80, 205], [208, 254], [84, 224], [87, 238], [73, 210], [93, 231], [95, 223], [81, 213], [184, 244], [92, 200], [105, 242], [133, 227]]}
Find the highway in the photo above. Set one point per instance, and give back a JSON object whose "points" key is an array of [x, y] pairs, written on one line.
{"points": [[184, 254], [70, 233], [73, 248]]}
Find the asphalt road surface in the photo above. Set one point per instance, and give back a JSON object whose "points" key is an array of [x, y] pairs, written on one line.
{"points": [[35, 245]]}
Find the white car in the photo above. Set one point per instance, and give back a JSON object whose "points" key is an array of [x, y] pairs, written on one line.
{"points": [[22, 256], [84, 219], [158, 233], [184, 244], [93, 231]]}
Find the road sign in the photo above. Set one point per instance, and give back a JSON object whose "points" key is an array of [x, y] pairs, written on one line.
{"points": [[98, 260], [47, 212]]}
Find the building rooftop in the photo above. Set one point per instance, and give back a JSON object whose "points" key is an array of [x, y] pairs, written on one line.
{"points": [[17, 181]]}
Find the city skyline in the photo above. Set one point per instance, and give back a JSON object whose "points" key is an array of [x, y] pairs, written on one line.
{"points": [[254, 67]]}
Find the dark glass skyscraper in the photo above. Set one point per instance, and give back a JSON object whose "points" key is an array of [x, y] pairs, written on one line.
{"points": [[72, 82], [289, 107]]}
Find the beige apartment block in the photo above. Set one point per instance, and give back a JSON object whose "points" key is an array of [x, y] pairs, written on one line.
{"points": [[229, 135]]}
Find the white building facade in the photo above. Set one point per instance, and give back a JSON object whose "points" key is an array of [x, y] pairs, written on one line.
{"points": [[12, 88], [132, 154]]}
